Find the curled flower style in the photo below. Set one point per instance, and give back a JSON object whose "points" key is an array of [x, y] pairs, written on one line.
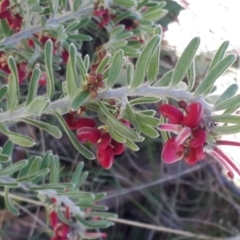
{"points": [[191, 142]]}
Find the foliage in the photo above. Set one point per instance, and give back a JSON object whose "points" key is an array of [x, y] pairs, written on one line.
{"points": [[42, 37]]}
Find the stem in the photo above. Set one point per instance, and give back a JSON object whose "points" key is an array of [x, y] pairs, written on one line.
{"points": [[63, 105], [52, 23]]}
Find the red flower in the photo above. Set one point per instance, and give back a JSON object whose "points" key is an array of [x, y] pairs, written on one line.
{"points": [[105, 156], [13, 19], [90, 134], [191, 141]]}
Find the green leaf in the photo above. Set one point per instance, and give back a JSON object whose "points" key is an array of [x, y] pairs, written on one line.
{"points": [[81, 180], [122, 16], [79, 99], [13, 168], [32, 90], [132, 145], [99, 196], [5, 28], [115, 69], [227, 94], [119, 44], [207, 83], [71, 71], [233, 102], [9, 184], [144, 119], [185, 61], [149, 131], [62, 217], [103, 64], [154, 62], [79, 37], [144, 100], [130, 73], [126, 3], [130, 115], [191, 76], [165, 80], [77, 173], [34, 165], [116, 30], [101, 214], [57, 187], [147, 112], [21, 140], [226, 118], [81, 149], [4, 158], [219, 55], [12, 100], [86, 61], [224, 130], [10, 207], [76, 5], [8, 148], [143, 61], [38, 105], [54, 169], [48, 51], [52, 130], [123, 35], [3, 92], [130, 51], [154, 14], [80, 195], [116, 136], [31, 177]]}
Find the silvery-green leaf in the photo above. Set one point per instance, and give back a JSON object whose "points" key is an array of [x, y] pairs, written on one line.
{"points": [[132, 145], [115, 69], [81, 149], [233, 102], [130, 116], [154, 14], [52, 130], [122, 16], [71, 74], [144, 100], [4, 158], [130, 51], [119, 44], [79, 37], [32, 90], [116, 136], [224, 130], [116, 30], [81, 180], [12, 100], [31, 177], [219, 54], [10, 207], [79, 99], [149, 131], [54, 169], [207, 83], [143, 61], [38, 105], [8, 148], [126, 3], [144, 119], [77, 173], [130, 73], [21, 140], [226, 118], [123, 35], [48, 51], [103, 64], [165, 80], [3, 91], [13, 168], [227, 94], [185, 61], [191, 76]]}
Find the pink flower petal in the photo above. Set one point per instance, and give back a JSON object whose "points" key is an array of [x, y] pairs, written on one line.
{"points": [[173, 114]]}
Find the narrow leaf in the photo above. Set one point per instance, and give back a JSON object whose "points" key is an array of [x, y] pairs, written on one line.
{"points": [[38, 105], [233, 102], [32, 90], [79, 99], [227, 94], [4, 158], [185, 61], [3, 92], [31, 177], [126, 3], [191, 76], [130, 115], [115, 69], [48, 51], [130, 73], [13, 168], [8, 148], [226, 118], [207, 83], [10, 207], [103, 64], [71, 71], [219, 55], [52, 130], [81, 149], [21, 140], [165, 80], [12, 100], [143, 61], [144, 100], [224, 130], [54, 169], [77, 173]]}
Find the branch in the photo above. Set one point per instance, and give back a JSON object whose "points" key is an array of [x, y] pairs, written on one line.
{"points": [[63, 104]]}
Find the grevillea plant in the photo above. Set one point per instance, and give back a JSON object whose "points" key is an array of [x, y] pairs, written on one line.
{"points": [[38, 38]]}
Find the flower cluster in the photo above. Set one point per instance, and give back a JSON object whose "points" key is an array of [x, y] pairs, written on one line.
{"points": [[87, 131], [191, 143], [61, 230], [102, 13], [94, 82], [10, 14]]}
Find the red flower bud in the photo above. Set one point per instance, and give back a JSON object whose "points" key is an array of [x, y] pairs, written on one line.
{"points": [[199, 138], [173, 114], [90, 134], [194, 115], [105, 141], [105, 157], [118, 148], [190, 156]]}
